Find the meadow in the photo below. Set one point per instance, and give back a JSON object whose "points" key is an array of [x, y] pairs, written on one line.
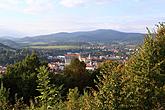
{"points": [[55, 47]]}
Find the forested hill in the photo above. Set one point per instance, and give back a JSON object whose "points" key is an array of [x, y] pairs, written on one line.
{"points": [[9, 43], [103, 35], [5, 47]]}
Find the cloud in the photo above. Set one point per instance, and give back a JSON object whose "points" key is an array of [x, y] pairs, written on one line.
{"points": [[137, 0], [75, 3], [9, 4], [28, 6], [38, 6], [72, 3]]}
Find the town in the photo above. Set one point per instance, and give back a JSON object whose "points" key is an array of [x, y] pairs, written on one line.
{"points": [[91, 55]]}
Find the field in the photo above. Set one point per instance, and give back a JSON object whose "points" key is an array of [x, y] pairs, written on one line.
{"points": [[55, 47], [38, 43]]}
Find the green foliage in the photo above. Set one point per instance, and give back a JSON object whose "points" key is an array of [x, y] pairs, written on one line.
{"points": [[73, 96], [75, 69], [75, 75], [146, 73], [104, 69], [4, 94], [110, 95], [21, 78], [49, 93], [19, 104]]}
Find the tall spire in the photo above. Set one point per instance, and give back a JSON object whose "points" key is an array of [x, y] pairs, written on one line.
{"points": [[89, 57]]}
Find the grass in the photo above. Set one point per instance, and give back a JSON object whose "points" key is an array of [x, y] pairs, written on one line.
{"points": [[55, 47], [38, 43]]}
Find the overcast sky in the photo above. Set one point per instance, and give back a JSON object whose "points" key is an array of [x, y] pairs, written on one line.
{"points": [[34, 17]]}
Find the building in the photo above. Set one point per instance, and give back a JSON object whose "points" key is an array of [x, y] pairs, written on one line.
{"points": [[2, 70], [56, 66], [90, 67], [70, 56]]}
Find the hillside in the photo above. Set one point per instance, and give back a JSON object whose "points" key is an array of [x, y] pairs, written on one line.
{"points": [[5, 47], [103, 35], [9, 43]]}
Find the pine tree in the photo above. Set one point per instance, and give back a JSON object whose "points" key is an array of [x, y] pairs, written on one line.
{"points": [[50, 95]]}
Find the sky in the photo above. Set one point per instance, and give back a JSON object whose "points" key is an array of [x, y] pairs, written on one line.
{"points": [[36, 17]]}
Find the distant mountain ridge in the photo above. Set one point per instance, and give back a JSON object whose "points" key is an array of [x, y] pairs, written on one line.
{"points": [[103, 35], [9, 42], [5, 47]]}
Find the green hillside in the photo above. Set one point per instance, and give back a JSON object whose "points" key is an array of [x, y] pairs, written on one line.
{"points": [[5, 47]]}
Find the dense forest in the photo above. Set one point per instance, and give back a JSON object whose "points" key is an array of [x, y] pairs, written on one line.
{"points": [[136, 84]]}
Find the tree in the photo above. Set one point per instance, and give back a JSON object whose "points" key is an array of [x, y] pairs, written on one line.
{"points": [[76, 68], [50, 95], [21, 78], [76, 75], [4, 94], [73, 99], [111, 83], [146, 73]]}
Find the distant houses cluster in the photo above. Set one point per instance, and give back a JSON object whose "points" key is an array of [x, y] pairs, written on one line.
{"points": [[2, 70], [58, 65]]}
